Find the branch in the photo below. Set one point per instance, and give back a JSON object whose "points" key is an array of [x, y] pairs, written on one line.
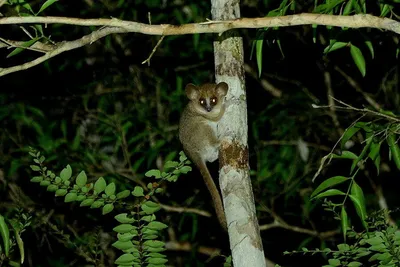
{"points": [[294, 143], [186, 246], [188, 210], [358, 88], [122, 26], [356, 21], [284, 225], [269, 87], [63, 47], [365, 111]]}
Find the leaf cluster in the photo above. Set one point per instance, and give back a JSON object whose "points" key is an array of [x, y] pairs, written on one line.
{"points": [[378, 246], [137, 230]]}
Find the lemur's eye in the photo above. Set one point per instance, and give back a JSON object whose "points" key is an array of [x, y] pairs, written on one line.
{"points": [[202, 101], [214, 100]]}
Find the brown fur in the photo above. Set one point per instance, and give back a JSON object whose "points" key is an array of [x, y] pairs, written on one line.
{"points": [[197, 133]]}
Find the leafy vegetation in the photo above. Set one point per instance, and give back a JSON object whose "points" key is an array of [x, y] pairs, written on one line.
{"points": [[323, 107]]}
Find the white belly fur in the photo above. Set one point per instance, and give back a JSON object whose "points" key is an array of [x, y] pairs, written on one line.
{"points": [[210, 153]]}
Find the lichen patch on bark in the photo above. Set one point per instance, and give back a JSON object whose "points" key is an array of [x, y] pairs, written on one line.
{"points": [[235, 155]]}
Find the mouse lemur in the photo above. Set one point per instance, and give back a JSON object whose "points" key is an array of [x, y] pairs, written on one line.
{"points": [[198, 132]]}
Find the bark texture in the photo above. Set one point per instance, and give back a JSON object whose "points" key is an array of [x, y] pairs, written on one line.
{"points": [[237, 193]]}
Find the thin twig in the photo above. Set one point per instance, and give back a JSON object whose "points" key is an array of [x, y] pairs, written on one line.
{"points": [[37, 46], [185, 210], [294, 143], [357, 87], [153, 51], [280, 223], [269, 87], [332, 113], [362, 110]]}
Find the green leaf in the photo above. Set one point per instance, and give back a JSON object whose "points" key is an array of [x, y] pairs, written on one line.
{"points": [[123, 228], [52, 188], [385, 9], [138, 191], [157, 261], [45, 183], [358, 59], [18, 50], [377, 240], [182, 156], [394, 149], [156, 225], [329, 183], [159, 190], [153, 243], [149, 218], [357, 196], [349, 133], [5, 235], [70, 197], [157, 255], [20, 244], [61, 192], [80, 198], [185, 169], [97, 204], [363, 153], [370, 48], [314, 30], [330, 192], [46, 5], [149, 207], [151, 249], [27, 6], [108, 208], [37, 179], [155, 173], [344, 222], [123, 245], [124, 259], [335, 46], [334, 262], [123, 194], [375, 156], [354, 264], [81, 180], [348, 8], [110, 189], [345, 155], [374, 150], [123, 218], [66, 173], [170, 164], [87, 202], [35, 168], [259, 54], [100, 185], [125, 237]]}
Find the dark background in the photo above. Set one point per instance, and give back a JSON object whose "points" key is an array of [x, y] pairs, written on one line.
{"points": [[75, 108]]}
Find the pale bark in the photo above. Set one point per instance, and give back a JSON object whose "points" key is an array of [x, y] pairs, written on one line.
{"points": [[237, 193], [110, 26]]}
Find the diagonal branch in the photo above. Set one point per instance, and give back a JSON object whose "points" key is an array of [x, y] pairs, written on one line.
{"points": [[63, 47]]}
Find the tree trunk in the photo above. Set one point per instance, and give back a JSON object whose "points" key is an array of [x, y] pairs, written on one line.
{"points": [[234, 178]]}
